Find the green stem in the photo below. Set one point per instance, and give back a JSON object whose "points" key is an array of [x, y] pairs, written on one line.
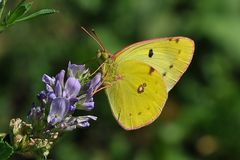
{"points": [[2, 6]]}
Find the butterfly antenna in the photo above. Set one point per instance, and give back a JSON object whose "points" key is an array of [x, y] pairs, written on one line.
{"points": [[94, 37], [98, 39]]}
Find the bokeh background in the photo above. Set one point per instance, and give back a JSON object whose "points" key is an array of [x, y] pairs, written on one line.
{"points": [[201, 119]]}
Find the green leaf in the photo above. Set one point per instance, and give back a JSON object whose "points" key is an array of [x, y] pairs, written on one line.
{"points": [[5, 150], [2, 6], [37, 14], [22, 8]]}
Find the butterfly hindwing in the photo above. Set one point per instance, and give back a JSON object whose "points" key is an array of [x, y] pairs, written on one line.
{"points": [[138, 95], [169, 56]]}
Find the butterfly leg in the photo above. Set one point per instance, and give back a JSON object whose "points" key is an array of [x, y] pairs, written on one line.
{"points": [[104, 87], [97, 69]]}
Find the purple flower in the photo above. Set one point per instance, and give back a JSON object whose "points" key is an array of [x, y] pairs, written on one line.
{"points": [[60, 77], [72, 87], [71, 123], [65, 97], [58, 110], [42, 96], [48, 80], [62, 100], [95, 82], [87, 102], [74, 70]]}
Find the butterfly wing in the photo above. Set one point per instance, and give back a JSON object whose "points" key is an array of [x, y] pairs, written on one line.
{"points": [[169, 56], [138, 96]]}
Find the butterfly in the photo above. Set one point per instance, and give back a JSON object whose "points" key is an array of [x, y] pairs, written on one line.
{"points": [[139, 77]]}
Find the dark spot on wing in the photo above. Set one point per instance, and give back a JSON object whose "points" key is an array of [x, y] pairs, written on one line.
{"points": [[139, 113], [141, 87], [151, 70], [174, 39], [164, 74], [150, 53], [171, 66]]}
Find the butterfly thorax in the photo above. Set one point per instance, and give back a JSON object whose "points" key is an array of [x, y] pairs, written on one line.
{"points": [[108, 67], [109, 72]]}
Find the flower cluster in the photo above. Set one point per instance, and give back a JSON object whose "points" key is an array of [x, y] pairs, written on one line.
{"points": [[65, 98], [62, 96]]}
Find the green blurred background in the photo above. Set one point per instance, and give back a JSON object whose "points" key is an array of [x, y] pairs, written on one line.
{"points": [[201, 119]]}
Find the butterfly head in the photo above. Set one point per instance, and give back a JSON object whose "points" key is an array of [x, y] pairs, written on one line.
{"points": [[102, 53]]}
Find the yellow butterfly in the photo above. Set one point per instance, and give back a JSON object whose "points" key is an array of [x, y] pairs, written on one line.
{"points": [[139, 77]]}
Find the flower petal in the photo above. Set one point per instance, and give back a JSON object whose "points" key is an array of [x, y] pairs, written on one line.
{"points": [[95, 82], [73, 101], [87, 106], [82, 121], [72, 87], [58, 89], [51, 96], [49, 88], [72, 108], [48, 80], [74, 69], [71, 123], [60, 77], [42, 95], [58, 110]]}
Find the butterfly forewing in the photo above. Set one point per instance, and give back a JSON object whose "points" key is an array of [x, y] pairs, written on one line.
{"points": [[169, 56]]}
